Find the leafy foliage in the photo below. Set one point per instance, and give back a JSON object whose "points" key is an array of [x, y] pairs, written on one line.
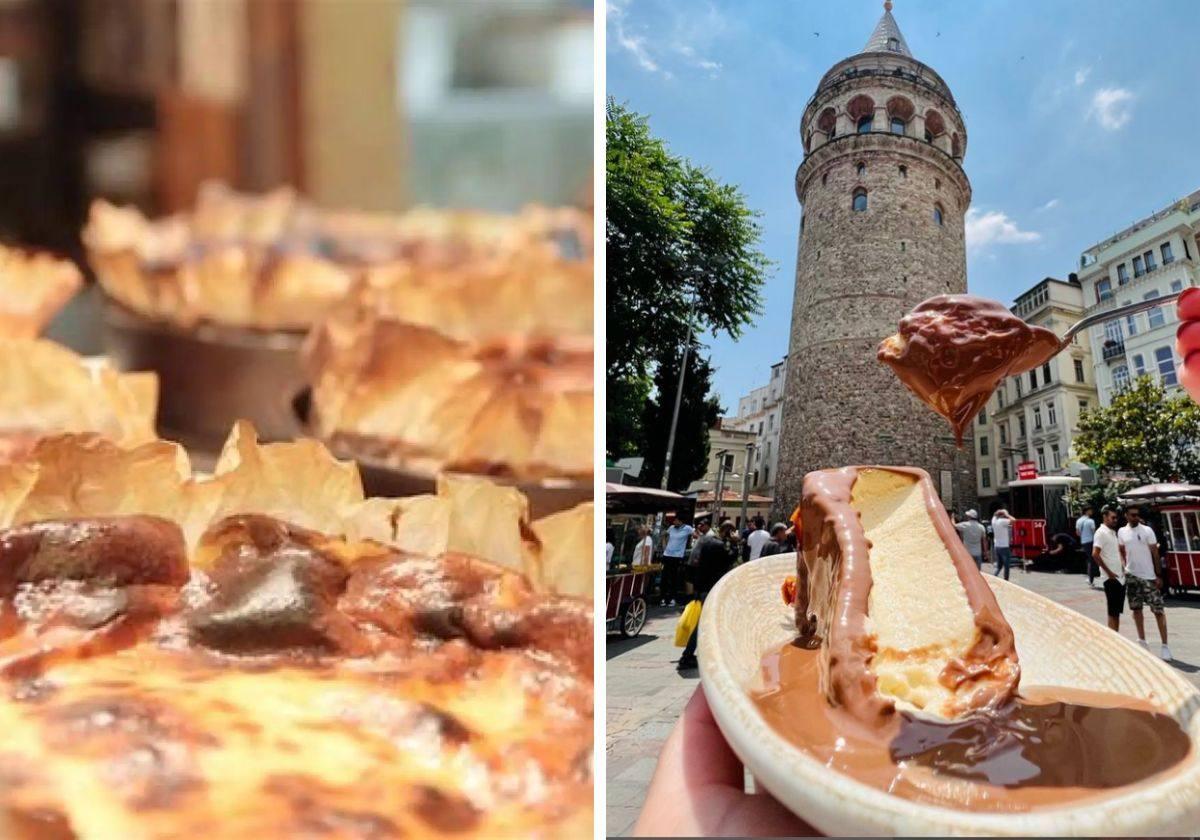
{"points": [[681, 252], [698, 412], [1144, 433]]}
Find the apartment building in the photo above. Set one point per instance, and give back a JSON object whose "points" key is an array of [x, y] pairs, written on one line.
{"points": [[761, 411], [1032, 417], [1151, 258]]}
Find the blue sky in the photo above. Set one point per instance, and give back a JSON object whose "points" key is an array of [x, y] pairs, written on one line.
{"points": [[1081, 118]]}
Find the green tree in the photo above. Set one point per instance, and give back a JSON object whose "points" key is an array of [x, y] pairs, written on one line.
{"points": [[698, 412], [681, 252], [1144, 433]]}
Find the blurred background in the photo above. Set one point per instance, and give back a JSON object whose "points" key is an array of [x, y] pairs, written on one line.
{"points": [[364, 104]]}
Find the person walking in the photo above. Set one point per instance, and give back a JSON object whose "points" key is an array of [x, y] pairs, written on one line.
{"points": [[675, 549], [757, 539], [1002, 541], [1085, 531], [1143, 576], [1106, 555], [974, 537], [715, 555]]}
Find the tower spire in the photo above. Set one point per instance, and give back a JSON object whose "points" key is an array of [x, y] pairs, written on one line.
{"points": [[887, 36]]}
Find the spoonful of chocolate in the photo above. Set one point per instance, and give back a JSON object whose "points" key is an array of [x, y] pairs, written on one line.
{"points": [[952, 351]]}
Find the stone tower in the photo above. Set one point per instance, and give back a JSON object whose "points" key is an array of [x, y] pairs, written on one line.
{"points": [[884, 196]]}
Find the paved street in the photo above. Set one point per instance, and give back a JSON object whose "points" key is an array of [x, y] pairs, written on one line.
{"points": [[646, 695]]}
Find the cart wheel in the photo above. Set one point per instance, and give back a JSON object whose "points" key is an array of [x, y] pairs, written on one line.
{"points": [[633, 618]]}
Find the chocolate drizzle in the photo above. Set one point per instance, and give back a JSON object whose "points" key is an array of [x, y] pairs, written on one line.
{"points": [[833, 590], [952, 351]]}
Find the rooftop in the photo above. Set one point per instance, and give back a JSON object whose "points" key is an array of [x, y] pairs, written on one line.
{"points": [[887, 36], [1189, 203]]}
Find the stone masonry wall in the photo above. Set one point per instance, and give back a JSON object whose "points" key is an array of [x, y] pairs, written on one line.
{"points": [[857, 274]]}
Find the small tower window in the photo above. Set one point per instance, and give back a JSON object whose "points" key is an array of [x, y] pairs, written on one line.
{"points": [[866, 124], [825, 179], [903, 171], [861, 169], [898, 125], [860, 201], [937, 213], [893, 44]]}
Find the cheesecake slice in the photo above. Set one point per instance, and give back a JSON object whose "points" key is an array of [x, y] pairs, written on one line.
{"points": [[904, 619]]}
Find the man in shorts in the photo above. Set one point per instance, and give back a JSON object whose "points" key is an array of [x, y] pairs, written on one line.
{"points": [[1143, 575], [1106, 555]]}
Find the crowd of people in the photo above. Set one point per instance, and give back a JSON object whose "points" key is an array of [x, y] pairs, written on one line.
{"points": [[694, 557], [1125, 557]]}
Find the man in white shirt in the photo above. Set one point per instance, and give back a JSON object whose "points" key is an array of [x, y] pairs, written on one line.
{"points": [[1106, 555], [1002, 541], [1085, 530], [1143, 575], [758, 538]]}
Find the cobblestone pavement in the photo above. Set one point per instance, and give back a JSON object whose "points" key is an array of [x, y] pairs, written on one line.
{"points": [[646, 694]]}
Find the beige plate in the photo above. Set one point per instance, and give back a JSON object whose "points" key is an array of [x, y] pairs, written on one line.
{"points": [[744, 617]]}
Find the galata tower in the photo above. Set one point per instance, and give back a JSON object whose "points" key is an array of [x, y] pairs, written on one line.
{"points": [[884, 196]]}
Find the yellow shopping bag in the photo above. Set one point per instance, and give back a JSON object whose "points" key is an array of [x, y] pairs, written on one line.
{"points": [[687, 623]]}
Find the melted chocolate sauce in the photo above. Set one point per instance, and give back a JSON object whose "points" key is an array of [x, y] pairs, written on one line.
{"points": [[1044, 749], [952, 351]]}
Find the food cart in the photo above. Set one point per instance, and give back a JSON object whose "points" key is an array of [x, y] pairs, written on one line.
{"points": [[1040, 511], [1178, 506], [627, 583]]}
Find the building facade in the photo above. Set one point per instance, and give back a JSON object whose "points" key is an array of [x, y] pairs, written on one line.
{"points": [[1034, 416], [884, 198], [1151, 258], [761, 411], [731, 444]]}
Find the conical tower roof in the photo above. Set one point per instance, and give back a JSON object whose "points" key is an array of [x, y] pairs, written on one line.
{"points": [[887, 36]]}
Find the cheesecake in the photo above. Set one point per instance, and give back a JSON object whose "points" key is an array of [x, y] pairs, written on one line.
{"points": [[902, 617]]}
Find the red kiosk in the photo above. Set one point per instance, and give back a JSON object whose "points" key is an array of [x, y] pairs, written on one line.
{"points": [[1179, 507]]}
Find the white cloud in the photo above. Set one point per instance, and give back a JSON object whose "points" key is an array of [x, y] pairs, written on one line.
{"points": [[681, 39], [1049, 205], [635, 45], [1112, 107], [1081, 75], [995, 228]]}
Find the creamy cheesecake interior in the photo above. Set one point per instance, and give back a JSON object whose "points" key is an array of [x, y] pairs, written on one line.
{"points": [[917, 609], [904, 619]]}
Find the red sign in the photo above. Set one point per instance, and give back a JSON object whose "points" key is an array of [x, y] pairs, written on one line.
{"points": [[1026, 470]]}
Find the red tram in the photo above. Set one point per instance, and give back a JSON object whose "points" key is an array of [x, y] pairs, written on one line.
{"points": [[1040, 510], [1178, 505]]}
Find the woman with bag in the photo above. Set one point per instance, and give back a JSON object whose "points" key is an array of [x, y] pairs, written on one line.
{"points": [[714, 556]]}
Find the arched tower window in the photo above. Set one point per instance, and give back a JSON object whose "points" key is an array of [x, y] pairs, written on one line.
{"points": [[900, 110], [827, 123], [861, 169], [938, 217], [862, 110], [903, 171], [955, 145], [860, 200], [935, 126]]}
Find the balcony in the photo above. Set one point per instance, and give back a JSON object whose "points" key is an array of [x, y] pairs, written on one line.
{"points": [[1113, 350]]}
